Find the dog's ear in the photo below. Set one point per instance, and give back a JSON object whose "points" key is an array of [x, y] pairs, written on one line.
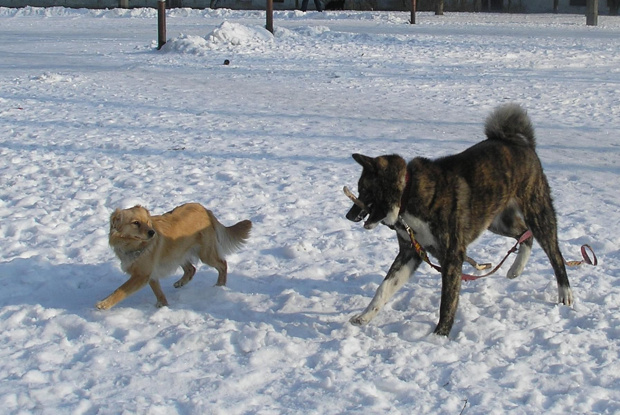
{"points": [[116, 219], [365, 161]]}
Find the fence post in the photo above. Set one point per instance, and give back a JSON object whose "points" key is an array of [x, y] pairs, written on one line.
{"points": [[592, 13], [269, 25], [413, 7], [161, 23]]}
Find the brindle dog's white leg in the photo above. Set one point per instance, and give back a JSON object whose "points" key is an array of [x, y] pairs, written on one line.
{"points": [[397, 277], [520, 261]]}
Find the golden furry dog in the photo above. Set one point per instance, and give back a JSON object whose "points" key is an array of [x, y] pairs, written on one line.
{"points": [[153, 247]]}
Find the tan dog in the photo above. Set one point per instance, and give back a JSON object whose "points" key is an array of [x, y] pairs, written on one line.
{"points": [[153, 247]]}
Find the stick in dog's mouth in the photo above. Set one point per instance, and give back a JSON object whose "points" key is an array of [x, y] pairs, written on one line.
{"points": [[354, 199]]}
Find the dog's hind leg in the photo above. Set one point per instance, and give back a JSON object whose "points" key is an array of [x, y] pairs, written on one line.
{"points": [[406, 262], [188, 273], [541, 219], [222, 271], [210, 257], [510, 223]]}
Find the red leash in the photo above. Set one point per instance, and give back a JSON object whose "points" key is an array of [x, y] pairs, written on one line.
{"points": [[527, 235], [586, 259]]}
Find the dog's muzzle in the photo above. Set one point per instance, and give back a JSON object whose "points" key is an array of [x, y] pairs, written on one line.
{"points": [[359, 210], [356, 213]]}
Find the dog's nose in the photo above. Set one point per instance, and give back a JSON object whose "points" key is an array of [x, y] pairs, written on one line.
{"points": [[151, 233]]}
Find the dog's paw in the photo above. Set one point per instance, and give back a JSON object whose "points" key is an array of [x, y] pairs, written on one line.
{"points": [[512, 274], [518, 266], [102, 305], [515, 270], [359, 320], [161, 303], [442, 330], [565, 296]]}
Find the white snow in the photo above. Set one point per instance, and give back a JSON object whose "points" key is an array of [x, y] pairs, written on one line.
{"points": [[93, 117]]}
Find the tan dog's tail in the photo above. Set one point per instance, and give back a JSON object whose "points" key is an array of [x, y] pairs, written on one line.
{"points": [[230, 238]]}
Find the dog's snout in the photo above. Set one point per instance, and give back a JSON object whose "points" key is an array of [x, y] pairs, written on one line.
{"points": [[356, 214], [151, 233]]}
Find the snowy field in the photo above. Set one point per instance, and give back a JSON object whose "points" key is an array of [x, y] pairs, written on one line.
{"points": [[93, 117]]}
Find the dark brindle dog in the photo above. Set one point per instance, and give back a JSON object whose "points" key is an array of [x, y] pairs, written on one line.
{"points": [[498, 184]]}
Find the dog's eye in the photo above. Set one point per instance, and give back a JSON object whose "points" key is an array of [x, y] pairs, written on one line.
{"points": [[136, 223]]}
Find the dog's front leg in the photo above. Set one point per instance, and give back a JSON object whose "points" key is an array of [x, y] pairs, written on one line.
{"points": [[450, 289], [404, 265], [133, 284], [159, 294]]}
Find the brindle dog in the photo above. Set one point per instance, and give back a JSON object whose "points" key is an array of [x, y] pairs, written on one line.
{"points": [[497, 184]]}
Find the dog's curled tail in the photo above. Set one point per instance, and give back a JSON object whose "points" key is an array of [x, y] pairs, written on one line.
{"points": [[230, 238], [510, 122]]}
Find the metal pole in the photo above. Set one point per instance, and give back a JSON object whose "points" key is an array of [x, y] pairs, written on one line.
{"points": [[413, 9], [592, 13], [161, 23], [269, 25]]}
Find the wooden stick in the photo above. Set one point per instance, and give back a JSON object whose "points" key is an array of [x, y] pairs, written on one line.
{"points": [[477, 265], [353, 198]]}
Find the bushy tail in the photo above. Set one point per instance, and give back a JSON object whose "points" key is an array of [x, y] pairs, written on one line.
{"points": [[510, 122], [230, 238]]}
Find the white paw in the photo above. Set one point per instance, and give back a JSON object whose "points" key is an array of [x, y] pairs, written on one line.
{"points": [[565, 296], [513, 273], [359, 320], [518, 266]]}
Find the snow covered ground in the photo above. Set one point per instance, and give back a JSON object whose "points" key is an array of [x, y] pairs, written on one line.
{"points": [[93, 117]]}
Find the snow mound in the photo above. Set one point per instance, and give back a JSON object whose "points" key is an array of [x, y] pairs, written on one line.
{"points": [[192, 45], [237, 34], [227, 34]]}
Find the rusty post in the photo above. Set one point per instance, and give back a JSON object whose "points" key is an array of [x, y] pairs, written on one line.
{"points": [[161, 23], [413, 10], [592, 13], [269, 25]]}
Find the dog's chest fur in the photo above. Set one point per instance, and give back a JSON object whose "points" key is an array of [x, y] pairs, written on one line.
{"points": [[421, 229], [161, 268], [127, 258]]}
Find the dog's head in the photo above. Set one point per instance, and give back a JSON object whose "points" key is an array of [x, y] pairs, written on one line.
{"points": [[131, 228], [380, 189]]}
